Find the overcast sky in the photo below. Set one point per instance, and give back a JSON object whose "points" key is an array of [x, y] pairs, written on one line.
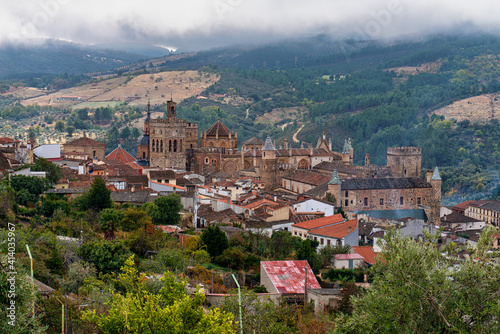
{"points": [[195, 24]]}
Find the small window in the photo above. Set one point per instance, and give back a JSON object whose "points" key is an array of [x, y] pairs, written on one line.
{"points": [[315, 239], [381, 201], [401, 201], [328, 242], [322, 241], [206, 160], [346, 193], [419, 200], [365, 201], [295, 232], [346, 202]]}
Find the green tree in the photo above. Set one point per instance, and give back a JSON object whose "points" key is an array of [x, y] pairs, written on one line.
{"points": [[53, 171], [106, 256], [59, 126], [70, 130], [134, 219], [307, 251], [165, 209], [216, 241], [109, 220], [19, 288], [417, 289], [98, 197], [169, 311]]}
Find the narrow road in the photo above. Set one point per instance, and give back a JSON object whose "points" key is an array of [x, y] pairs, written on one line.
{"points": [[294, 138]]}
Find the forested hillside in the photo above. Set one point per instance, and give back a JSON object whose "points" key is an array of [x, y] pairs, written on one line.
{"points": [[378, 94]]}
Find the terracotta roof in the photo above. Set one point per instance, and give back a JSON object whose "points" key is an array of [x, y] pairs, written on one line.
{"points": [[337, 231], [162, 174], [219, 128], [7, 140], [463, 205], [320, 222], [385, 183], [253, 141], [488, 205], [366, 252], [259, 202], [80, 184], [300, 217], [121, 155], [456, 218], [308, 177], [85, 141], [289, 276]]}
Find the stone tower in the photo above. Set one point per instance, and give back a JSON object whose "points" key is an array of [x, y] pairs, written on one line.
{"points": [[346, 154], [436, 184], [143, 146], [269, 162], [335, 188], [405, 161], [171, 140]]}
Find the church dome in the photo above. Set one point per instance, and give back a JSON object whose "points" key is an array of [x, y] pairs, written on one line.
{"points": [[144, 140]]}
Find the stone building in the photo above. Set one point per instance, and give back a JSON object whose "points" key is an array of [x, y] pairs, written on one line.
{"points": [[86, 146], [390, 193], [405, 161], [221, 137], [171, 140]]}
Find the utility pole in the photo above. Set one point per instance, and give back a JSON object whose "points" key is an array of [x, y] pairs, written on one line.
{"points": [[32, 279], [305, 287]]}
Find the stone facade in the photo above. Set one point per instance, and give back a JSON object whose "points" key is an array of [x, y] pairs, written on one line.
{"points": [[84, 145], [171, 139], [405, 161]]}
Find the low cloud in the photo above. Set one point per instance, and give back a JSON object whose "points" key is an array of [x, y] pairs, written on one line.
{"points": [[196, 24]]}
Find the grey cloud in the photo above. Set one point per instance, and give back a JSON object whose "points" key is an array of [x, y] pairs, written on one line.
{"points": [[194, 24]]}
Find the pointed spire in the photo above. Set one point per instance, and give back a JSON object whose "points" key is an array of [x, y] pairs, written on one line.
{"points": [[349, 144], [335, 178], [268, 145], [435, 175], [345, 150]]}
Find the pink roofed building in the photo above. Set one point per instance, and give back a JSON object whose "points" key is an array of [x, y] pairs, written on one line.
{"points": [[287, 277]]}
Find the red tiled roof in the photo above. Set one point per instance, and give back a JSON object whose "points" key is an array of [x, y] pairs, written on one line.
{"points": [[366, 252], [308, 177], [258, 203], [289, 276], [320, 222], [337, 231], [80, 184], [121, 155], [464, 205], [7, 140], [85, 141], [219, 128]]}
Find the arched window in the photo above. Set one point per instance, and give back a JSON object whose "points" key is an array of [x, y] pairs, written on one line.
{"points": [[180, 145], [153, 145], [161, 145], [170, 145], [157, 146], [175, 145]]}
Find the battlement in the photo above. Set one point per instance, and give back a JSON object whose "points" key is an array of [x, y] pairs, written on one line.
{"points": [[404, 150]]}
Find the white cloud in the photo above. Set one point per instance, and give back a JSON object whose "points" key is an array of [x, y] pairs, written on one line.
{"points": [[204, 23]]}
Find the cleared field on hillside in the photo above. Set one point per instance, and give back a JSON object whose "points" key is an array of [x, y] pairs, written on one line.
{"points": [[280, 114], [24, 92], [412, 70], [156, 87], [475, 109]]}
